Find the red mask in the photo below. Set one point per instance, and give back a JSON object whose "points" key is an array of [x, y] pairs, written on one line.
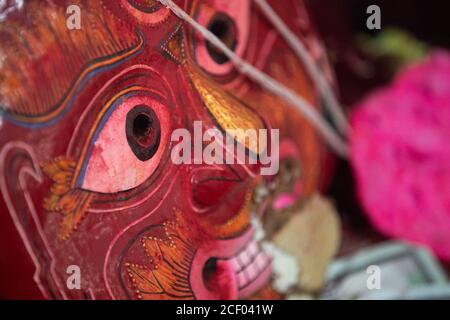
{"points": [[87, 176]]}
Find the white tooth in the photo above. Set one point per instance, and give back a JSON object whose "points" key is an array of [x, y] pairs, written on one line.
{"points": [[252, 271], [261, 261], [241, 279], [235, 264], [244, 258], [253, 249]]}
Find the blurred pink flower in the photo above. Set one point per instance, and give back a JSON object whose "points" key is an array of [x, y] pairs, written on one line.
{"points": [[400, 151]]}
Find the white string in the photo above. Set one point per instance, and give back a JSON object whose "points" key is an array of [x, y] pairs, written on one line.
{"points": [[299, 49], [267, 82]]}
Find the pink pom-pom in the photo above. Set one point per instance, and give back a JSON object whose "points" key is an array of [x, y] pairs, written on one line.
{"points": [[400, 153]]}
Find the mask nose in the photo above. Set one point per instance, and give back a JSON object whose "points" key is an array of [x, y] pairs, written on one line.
{"points": [[241, 124], [221, 193], [221, 199]]}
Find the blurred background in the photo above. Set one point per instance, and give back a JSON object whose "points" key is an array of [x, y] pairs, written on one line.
{"points": [[364, 60]]}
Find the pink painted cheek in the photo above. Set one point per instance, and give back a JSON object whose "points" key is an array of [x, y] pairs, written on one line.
{"points": [[284, 201], [287, 199]]}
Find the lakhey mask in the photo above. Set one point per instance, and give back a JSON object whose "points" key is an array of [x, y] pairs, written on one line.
{"points": [[87, 175]]}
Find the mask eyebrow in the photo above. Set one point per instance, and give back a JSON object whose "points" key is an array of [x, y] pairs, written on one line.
{"points": [[43, 65]]}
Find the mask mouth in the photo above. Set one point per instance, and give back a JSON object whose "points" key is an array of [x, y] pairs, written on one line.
{"points": [[230, 269], [248, 264]]}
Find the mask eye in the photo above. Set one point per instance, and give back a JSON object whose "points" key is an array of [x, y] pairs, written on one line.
{"points": [[230, 22], [143, 132], [224, 28], [127, 145]]}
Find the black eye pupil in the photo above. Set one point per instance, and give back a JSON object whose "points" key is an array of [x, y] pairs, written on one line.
{"points": [[142, 127], [143, 132], [223, 27]]}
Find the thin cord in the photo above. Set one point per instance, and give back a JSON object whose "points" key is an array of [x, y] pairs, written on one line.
{"points": [[299, 49], [267, 82]]}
